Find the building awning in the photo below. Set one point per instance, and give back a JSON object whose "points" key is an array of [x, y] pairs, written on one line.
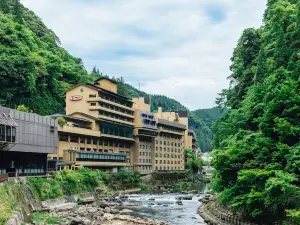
{"points": [[65, 163], [171, 124]]}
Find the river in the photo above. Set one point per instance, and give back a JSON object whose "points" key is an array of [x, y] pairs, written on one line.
{"points": [[163, 207]]}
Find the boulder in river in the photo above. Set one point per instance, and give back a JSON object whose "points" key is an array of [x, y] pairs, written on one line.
{"points": [[185, 198], [179, 202], [126, 211]]}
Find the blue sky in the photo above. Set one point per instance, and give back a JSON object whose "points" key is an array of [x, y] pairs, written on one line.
{"points": [[178, 48]]}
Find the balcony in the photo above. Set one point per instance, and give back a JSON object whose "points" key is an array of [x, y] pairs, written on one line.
{"points": [[99, 99], [181, 133], [102, 164], [96, 108], [77, 130], [117, 137], [115, 120], [145, 132]]}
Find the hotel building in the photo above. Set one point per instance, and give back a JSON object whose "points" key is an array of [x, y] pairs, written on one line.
{"points": [[145, 132], [170, 141], [107, 131], [99, 129]]}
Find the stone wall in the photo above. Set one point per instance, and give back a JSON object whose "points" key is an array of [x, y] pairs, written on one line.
{"points": [[214, 214]]}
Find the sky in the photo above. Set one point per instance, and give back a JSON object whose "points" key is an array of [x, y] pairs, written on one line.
{"points": [[177, 48]]}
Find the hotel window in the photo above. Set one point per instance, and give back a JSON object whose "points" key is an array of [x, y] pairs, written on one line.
{"points": [[95, 141], [74, 139], [93, 103], [88, 140], [82, 140], [63, 137], [92, 96]]}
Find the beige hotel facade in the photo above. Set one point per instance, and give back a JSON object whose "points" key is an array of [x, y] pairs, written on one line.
{"points": [[107, 131]]}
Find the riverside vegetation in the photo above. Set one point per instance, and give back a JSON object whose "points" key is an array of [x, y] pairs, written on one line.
{"points": [[67, 182], [257, 148]]}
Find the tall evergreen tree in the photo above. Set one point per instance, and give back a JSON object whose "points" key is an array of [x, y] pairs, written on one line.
{"points": [[18, 11], [4, 6]]}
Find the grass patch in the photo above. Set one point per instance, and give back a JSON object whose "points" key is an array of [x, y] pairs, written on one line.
{"points": [[39, 217]]}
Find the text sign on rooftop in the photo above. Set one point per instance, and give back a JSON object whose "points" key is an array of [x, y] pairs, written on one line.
{"points": [[76, 98]]}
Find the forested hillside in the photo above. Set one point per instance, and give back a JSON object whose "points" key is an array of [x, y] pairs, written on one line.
{"points": [[36, 71], [257, 157], [210, 116]]}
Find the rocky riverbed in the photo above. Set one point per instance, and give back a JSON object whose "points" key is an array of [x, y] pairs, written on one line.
{"points": [[105, 212], [135, 209]]}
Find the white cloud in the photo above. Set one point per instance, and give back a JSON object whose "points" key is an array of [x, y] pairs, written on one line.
{"points": [[171, 47]]}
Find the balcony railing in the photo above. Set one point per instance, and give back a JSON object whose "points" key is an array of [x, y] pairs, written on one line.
{"points": [[115, 120], [99, 99], [77, 130], [111, 111], [170, 131]]}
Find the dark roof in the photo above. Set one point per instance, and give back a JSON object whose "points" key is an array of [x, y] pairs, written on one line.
{"points": [[182, 113], [101, 120], [95, 87], [65, 163], [172, 124], [84, 114], [190, 130], [106, 78], [113, 122], [70, 118], [108, 92]]}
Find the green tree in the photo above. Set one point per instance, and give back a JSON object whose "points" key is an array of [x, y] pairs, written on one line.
{"points": [[23, 108], [4, 6]]}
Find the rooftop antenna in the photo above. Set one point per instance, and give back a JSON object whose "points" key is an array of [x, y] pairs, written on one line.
{"points": [[139, 86], [150, 101]]}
